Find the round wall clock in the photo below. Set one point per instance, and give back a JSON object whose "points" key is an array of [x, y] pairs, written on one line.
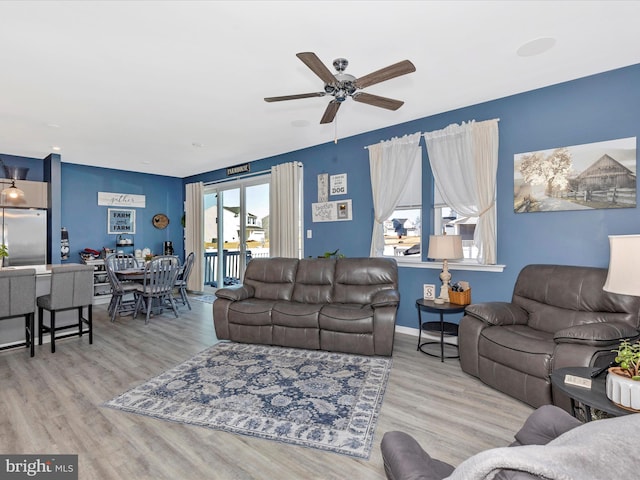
{"points": [[160, 221]]}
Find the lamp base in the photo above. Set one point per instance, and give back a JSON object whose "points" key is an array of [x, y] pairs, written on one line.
{"points": [[445, 277]]}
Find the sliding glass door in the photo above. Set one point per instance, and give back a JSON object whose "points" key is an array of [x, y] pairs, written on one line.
{"points": [[236, 228]]}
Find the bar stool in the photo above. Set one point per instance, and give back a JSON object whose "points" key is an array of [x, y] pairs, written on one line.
{"points": [[71, 288], [18, 299]]}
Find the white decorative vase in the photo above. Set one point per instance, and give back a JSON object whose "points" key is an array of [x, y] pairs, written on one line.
{"points": [[623, 391]]}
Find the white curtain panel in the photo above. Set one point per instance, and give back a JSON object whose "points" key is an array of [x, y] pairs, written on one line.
{"points": [[285, 209], [390, 165], [464, 161], [194, 234]]}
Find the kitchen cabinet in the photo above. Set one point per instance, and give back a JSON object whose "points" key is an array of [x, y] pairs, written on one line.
{"points": [[36, 194]]}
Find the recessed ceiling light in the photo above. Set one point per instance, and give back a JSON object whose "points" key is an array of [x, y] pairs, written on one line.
{"points": [[55, 148], [53, 125], [146, 162], [536, 47]]}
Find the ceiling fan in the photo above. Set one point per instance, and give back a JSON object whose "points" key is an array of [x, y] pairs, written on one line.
{"points": [[342, 85]]}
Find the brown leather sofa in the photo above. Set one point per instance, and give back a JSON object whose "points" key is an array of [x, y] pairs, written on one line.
{"points": [[341, 305], [559, 316]]}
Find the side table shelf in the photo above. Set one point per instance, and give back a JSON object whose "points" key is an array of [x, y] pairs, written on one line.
{"points": [[441, 327]]}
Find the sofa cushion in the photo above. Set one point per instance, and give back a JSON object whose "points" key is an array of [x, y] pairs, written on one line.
{"points": [[561, 296], [519, 347], [357, 280], [294, 314], [347, 318], [314, 280], [271, 278]]}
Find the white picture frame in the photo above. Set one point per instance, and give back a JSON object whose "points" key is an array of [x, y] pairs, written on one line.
{"points": [[429, 291]]}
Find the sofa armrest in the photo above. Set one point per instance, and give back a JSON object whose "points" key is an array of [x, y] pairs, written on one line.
{"points": [[545, 424], [498, 313], [596, 334], [404, 459], [238, 292], [386, 298]]}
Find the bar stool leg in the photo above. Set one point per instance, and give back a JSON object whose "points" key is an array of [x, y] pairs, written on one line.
{"points": [[40, 325], [52, 330], [90, 316]]}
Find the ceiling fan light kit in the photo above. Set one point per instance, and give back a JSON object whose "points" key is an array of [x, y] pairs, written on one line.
{"points": [[343, 85]]}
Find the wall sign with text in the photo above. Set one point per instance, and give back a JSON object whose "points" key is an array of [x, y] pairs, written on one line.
{"points": [[109, 199], [339, 211], [121, 220], [338, 184]]}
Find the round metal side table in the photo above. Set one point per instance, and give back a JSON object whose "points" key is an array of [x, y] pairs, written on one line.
{"points": [[441, 326]]}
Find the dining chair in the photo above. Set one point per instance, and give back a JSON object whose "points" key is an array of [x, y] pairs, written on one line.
{"points": [[183, 278], [157, 288], [71, 289], [120, 303], [18, 299]]}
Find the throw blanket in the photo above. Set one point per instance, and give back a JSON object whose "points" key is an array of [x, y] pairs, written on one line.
{"points": [[598, 450]]}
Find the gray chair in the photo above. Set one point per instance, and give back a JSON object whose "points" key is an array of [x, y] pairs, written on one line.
{"points": [[71, 289], [157, 288], [183, 278], [120, 303], [18, 299], [404, 459]]}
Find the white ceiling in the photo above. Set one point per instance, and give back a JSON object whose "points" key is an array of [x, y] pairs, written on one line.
{"points": [[134, 85]]}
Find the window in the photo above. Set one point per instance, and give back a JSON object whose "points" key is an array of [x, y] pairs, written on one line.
{"points": [[403, 229], [446, 220]]}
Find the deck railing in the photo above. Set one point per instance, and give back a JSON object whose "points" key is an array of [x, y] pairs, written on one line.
{"points": [[230, 266]]}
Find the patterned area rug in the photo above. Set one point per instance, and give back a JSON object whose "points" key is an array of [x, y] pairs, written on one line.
{"points": [[323, 400], [203, 298]]}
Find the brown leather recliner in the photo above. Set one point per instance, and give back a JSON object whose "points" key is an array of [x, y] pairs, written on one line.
{"points": [[559, 316]]}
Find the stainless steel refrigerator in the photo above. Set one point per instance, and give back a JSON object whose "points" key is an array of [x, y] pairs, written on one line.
{"points": [[24, 232]]}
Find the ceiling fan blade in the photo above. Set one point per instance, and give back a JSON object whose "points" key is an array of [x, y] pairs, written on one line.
{"points": [[377, 101], [330, 112], [312, 61], [387, 73], [294, 97]]}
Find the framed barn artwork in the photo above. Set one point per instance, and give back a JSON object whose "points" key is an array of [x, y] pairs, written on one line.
{"points": [[579, 177]]}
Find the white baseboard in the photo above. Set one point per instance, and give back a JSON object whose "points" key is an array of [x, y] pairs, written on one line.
{"points": [[426, 335]]}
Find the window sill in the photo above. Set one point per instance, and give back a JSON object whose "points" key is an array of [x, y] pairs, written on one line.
{"points": [[416, 262]]}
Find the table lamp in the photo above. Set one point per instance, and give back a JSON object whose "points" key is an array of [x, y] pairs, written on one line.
{"points": [[445, 248], [624, 265]]}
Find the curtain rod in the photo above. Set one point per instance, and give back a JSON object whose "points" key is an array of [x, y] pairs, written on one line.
{"points": [[422, 134], [246, 175]]}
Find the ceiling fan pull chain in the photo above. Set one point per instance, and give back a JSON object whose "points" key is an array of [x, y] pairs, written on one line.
{"points": [[335, 134]]}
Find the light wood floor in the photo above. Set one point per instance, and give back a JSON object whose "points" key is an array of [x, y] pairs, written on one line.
{"points": [[51, 404]]}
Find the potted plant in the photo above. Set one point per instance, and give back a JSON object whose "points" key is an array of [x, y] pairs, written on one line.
{"points": [[4, 252], [334, 254], [623, 381], [628, 359]]}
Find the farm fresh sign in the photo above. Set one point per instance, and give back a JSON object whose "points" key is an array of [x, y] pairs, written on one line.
{"points": [[121, 220]]}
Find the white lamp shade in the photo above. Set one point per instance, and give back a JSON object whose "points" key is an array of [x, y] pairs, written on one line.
{"points": [[624, 265], [445, 247]]}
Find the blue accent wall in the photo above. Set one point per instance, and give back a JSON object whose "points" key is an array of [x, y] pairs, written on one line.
{"points": [[87, 222]]}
